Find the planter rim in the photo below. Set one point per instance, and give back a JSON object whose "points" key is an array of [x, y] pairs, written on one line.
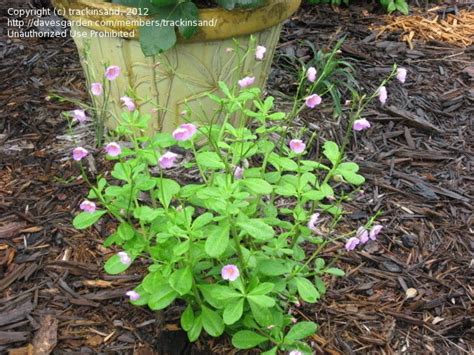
{"points": [[229, 24]]}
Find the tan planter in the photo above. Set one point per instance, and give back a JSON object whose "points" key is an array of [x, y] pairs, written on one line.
{"points": [[183, 75]]}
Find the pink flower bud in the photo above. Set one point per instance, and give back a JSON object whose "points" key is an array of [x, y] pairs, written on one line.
{"points": [[124, 258], [79, 153], [128, 102], [401, 75], [352, 243], [362, 235], [167, 160], [383, 94], [113, 149], [314, 219], [79, 116], [239, 173], [112, 72], [260, 52], [230, 272], [311, 74], [295, 352], [313, 100], [247, 81], [97, 89], [374, 232], [297, 146], [134, 296], [87, 206], [361, 124], [184, 132]]}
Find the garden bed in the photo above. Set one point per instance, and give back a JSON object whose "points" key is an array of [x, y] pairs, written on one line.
{"points": [[417, 159]]}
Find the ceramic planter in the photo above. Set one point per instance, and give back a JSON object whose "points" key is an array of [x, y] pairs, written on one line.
{"points": [[184, 75]]}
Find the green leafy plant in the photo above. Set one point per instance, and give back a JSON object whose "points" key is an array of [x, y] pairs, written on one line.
{"points": [[389, 5], [335, 76], [159, 35], [239, 245]]}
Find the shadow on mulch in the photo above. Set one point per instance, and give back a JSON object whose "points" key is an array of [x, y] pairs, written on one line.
{"points": [[417, 159]]}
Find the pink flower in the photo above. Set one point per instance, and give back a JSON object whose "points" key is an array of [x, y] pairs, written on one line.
{"points": [[113, 149], [79, 116], [314, 219], [184, 132], [112, 72], [97, 89], [295, 352], [167, 160], [313, 100], [247, 81], [79, 153], [382, 94], [352, 243], [374, 232], [361, 124], [362, 234], [134, 296], [311, 74], [239, 173], [87, 206], [260, 52], [127, 101], [297, 146], [230, 272], [401, 75], [124, 258]]}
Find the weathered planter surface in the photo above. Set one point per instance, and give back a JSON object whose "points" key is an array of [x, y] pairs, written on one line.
{"points": [[183, 75]]}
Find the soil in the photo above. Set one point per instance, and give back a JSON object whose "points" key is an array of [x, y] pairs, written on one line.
{"points": [[409, 292]]}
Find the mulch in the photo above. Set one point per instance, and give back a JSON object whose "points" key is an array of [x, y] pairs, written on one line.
{"points": [[417, 158]]}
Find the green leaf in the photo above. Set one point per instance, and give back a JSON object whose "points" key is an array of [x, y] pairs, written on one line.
{"points": [[402, 6], [202, 220], [246, 339], [233, 311], [273, 267], [187, 318], [301, 330], [286, 190], [212, 322], [182, 280], [223, 293], [181, 248], [257, 186], [195, 331], [167, 190], [87, 219], [257, 228], [262, 289], [272, 351], [162, 298], [306, 290], [156, 39], [189, 12], [335, 271], [162, 2], [114, 266], [125, 231], [209, 160], [217, 240], [147, 214], [331, 151], [261, 300], [121, 171]]}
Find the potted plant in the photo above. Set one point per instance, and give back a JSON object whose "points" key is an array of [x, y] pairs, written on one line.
{"points": [[172, 53]]}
